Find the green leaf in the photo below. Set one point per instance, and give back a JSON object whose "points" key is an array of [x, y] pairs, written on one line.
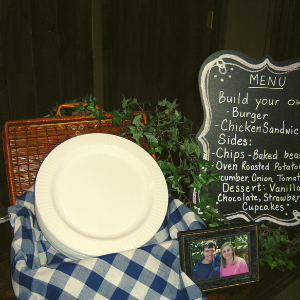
{"points": [[79, 107], [206, 203], [280, 261], [150, 150], [152, 140], [174, 181], [137, 120], [166, 167], [173, 134], [117, 117], [283, 239], [125, 102], [273, 264], [197, 183], [158, 149], [291, 265], [202, 163], [98, 114], [136, 134], [189, 146], [263, 225], [213, 177]]}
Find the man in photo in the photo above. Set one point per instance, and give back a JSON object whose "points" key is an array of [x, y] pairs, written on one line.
{"points": [[209, 267]]}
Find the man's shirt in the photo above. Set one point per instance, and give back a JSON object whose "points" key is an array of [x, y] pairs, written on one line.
{"points": [[207, 271]]}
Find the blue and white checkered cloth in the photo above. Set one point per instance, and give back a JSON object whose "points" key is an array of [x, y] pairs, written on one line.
{"points": [[151, 272]]}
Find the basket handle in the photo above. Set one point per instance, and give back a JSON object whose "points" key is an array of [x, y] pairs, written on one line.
{"points": [[108, 115], [71, 105]]}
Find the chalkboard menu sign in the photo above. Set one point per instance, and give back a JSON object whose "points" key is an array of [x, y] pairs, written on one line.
{"points": [[250, 134]]}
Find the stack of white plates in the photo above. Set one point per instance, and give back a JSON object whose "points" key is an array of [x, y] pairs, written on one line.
{"points": [[97, 194]]}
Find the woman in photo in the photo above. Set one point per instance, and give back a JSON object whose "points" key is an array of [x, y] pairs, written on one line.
{"points": [[230, 263]]}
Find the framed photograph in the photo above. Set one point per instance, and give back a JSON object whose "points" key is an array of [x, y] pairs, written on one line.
{"points": [[220, 257]]}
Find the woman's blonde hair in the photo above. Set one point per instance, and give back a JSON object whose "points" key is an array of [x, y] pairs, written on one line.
{"points": [[223, 260]]}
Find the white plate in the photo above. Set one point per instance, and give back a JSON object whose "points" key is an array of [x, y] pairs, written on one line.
{"points": [[100, 193], [59, 247]]}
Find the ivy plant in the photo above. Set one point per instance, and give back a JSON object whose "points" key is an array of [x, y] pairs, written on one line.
{"points": [[277, 246], [172, 138]]}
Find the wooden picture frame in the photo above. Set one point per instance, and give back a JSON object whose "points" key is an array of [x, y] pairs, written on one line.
{"points": [[202, 267]]}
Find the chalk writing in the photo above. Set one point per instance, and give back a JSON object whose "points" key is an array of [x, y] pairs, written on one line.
{"points": [[251, 136]]}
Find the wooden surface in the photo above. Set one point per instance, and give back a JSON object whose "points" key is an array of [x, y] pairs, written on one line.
{"points": [[270, 284], [45, 57], [153, 50], [6, 291], [283, 33]]}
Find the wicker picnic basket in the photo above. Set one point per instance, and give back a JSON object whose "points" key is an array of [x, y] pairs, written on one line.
{"points": [[26, 143]]}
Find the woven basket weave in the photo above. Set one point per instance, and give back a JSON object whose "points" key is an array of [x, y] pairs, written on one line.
{"points": [[26, 143]]}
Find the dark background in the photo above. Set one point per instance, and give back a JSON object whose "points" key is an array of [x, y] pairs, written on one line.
{"points": [[54, 51]]}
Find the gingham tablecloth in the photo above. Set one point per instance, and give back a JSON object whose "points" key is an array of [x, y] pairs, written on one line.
{"points": [[150, 272]]}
